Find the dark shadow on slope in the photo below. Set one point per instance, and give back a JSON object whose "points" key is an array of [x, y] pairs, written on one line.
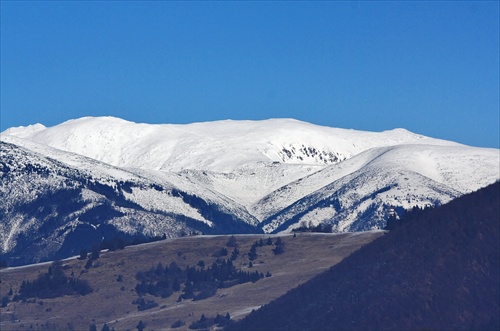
{"points": [[439, 271], [224, 223]]}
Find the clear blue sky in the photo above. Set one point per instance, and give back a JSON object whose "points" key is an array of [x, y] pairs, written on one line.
{"points": [[429, 67]]}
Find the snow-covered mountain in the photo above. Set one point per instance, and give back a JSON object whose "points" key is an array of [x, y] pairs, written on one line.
{"points": [[218, 177]]}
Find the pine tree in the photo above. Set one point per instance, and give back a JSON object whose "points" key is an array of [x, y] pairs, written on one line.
{"points": [[141, 325], [83, 254], [232, 242], [252, 255], [95, 254], [280, 247], [235, 254]]}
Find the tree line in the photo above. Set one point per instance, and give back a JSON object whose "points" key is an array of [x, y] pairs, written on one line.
{"points": [[54, 283], [197, 283]]}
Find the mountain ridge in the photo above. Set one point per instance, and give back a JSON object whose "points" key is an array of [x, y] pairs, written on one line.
{"points": [[258, 176], [276, 140]]}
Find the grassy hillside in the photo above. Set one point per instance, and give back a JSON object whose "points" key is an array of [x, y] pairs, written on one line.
{"points": [[112, 278], [438, 270]]}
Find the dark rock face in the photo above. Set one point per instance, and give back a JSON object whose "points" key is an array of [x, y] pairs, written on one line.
{"points": [[438, 270]]}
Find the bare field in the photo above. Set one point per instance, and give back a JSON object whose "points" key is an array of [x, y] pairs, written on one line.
{"points": [[305, 256]]}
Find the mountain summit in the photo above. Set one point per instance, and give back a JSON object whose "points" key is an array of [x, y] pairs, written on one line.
{"points": [[220, 146], [275, 175]]}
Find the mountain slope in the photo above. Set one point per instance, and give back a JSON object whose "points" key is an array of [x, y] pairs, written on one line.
{"points": [[439, 270], [51, 210], [243, 160], [113, 280], [221, 177], [361, 189]]}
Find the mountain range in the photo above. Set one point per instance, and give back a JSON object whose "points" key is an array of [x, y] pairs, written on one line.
{"points": [[88, 180]]}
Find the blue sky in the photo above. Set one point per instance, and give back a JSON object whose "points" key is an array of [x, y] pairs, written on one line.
{"points": [[429, 67]]}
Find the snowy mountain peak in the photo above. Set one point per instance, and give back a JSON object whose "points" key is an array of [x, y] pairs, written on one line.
{"points": [[24, 131], [220, 146]]}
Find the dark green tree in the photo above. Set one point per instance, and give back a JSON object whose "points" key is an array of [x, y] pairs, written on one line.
{"points": [[252, 255], [235, 253], [279, 246], [141, 325], [83, 254], [232, 242], [5, 301], [95, 254]]}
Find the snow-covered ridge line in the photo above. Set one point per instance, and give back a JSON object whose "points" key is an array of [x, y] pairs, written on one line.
{"points": [[220, 146]]}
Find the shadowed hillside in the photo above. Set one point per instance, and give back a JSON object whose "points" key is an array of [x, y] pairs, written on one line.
{"points": [[438, 270]]}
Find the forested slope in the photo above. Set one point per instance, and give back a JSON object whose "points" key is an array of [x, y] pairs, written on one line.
{"points": [[438, 270]]}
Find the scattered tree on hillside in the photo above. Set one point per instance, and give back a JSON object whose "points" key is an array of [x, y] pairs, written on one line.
{"points": [[235, 253], [279, 246], [232, 242], [83, 254], [5, 301], [141, 325], [252, 254], [89, 263], [96, 253], [221, 252]]}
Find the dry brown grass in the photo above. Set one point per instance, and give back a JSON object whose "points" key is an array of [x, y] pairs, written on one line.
{"points": [[111, 302]]}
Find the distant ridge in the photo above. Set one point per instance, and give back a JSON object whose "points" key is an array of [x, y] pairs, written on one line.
{"points": [[438, 271], [220, 146]]}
